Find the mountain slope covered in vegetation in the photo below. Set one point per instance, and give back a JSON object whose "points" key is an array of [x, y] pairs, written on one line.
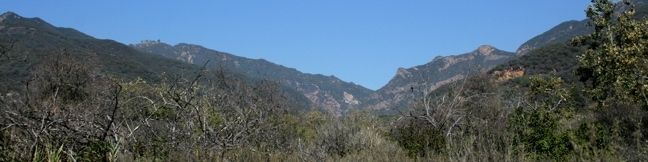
{"points": [[326, 92], [411, 84]]}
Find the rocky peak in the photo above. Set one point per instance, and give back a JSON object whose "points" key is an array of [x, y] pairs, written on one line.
{"points": [[9, 15], [485, 50], [437, 58], [402, 72]]}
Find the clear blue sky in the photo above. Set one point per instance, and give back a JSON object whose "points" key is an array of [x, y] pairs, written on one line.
{"points": [[362, 41]]}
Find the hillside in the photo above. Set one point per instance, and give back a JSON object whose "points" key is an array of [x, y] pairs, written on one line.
{"points": [[561, 33], [559, 59], [34, 40], [326, 92], [564, 32], [410, 84]]}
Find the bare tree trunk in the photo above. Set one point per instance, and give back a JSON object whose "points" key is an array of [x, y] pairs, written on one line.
{"points": [[118, 90]]}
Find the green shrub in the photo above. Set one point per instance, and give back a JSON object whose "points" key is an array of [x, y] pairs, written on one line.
{"points": [[538, 126], [419, 138]]}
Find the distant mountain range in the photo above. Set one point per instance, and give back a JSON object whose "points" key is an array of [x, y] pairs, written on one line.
{"points": [[326, 92], [332, 94], [35, 39]]}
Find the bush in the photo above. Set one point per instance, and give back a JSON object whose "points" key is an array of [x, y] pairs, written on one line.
{"points": [[538, 125]]}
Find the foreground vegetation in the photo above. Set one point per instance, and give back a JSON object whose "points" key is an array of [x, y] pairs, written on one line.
{"points": [[595, 110]]}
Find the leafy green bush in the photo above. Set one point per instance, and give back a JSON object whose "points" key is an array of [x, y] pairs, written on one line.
{"points": [[616, 60], [538, 125]]}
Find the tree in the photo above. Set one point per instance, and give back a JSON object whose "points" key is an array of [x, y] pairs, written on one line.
{"points": [[64, 108], [616, 58]]}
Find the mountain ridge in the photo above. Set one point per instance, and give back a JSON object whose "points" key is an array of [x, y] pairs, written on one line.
{"points": [[328, 92], [340, 99], [34, 42], [409, 84]]}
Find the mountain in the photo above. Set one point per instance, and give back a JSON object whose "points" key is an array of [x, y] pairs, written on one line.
{"points": [[326, 92], [548, 52], [412, 83], [559, 34], [35, 40], [551, 53], [559, 59], [564, 32]]}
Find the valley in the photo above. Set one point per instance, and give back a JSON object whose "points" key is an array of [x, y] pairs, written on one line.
{"points": [[576, 92]]}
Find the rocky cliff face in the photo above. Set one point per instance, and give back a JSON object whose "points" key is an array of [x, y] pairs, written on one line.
{"points": [[412, 83], [325, 92], [508, 74]]}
